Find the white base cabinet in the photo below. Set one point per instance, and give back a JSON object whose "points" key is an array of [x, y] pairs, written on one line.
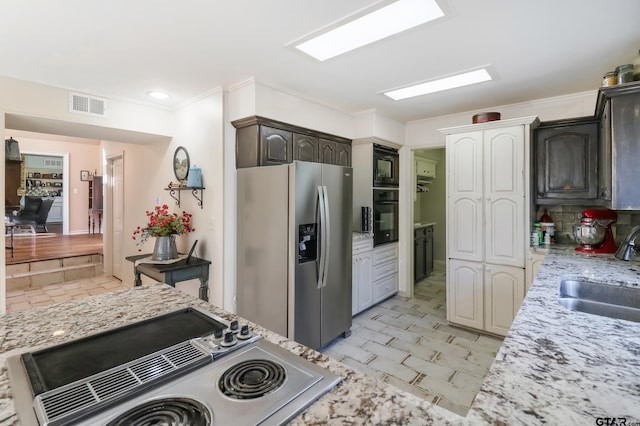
{"points": [[503, 295], [361, 274], [374, 274], [385, 271], [534, 260], [362, 277], [484, 296]]}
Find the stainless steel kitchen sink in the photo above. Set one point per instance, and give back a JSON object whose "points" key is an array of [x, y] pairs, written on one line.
{"points": [[600, 299]]}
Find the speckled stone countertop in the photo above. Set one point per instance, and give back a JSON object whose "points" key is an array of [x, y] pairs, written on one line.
{"points": [[558, 366], [555, 367]]}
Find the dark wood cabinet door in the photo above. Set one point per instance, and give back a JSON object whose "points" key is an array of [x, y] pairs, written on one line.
{"points": [[305, 148], [276, 146], [428, 251], [327, 151], [566, 162], [604, 157], [343, 154]]}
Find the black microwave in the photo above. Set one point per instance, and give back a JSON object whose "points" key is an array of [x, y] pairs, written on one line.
{"points": [[386, 166]]}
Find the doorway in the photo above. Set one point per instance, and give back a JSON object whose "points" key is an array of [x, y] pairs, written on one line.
{"points": [[429, 210]]}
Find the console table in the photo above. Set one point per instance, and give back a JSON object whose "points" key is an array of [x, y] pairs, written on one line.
{"points": [[174, 272]]}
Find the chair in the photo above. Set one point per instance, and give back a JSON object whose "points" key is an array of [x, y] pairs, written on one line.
{"points": [[34, 213]]}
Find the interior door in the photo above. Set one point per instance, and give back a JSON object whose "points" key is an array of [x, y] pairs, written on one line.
{"points": [[117, 214]]}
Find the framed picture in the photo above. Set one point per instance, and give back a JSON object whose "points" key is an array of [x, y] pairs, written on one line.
{"points": [[48, 184], [30, 174], [84, 175], [36, 175], [29, 182], [54, 176], [38, 183]]}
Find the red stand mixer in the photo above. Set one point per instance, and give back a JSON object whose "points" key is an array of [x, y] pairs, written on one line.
{"points": [[593, 231]]}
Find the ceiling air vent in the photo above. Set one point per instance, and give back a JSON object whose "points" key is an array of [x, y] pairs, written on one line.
{"points": [[85, 104]]}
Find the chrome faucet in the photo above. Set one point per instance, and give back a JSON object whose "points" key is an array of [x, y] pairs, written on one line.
{"points": [[628, 248]]}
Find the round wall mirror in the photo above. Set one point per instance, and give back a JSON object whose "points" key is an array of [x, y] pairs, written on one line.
{"points": [[181, 163]]}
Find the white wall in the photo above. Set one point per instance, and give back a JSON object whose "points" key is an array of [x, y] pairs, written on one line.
{"points": [[425, 134]]}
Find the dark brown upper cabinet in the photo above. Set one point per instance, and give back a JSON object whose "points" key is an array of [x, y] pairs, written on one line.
{"points": [[264, 142], [332, 152], [618, 109], [566, 161], [305, 148]]}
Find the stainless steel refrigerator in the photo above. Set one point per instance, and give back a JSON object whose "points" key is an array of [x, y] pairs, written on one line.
{"points": [[294, 249]]}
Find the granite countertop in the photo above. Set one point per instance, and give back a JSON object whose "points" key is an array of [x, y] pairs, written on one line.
{"points": [[358, 399], [560, 366], [555, 366]]}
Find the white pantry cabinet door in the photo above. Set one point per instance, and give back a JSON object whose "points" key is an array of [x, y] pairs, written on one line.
{"points": [[355, 278], [503, 295], [464, 293], [504, 196], [464, 191]]}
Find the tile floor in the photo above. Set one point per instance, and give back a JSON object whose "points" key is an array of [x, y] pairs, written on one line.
{"points": [[407, 342], [19, 300]]}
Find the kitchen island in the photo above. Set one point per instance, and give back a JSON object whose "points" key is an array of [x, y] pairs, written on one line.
{"points": [[555, 366]]}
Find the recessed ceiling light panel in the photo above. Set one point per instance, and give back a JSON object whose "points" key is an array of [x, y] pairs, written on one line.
{"points": [[158, 95], [446, 83], [384, 22]]}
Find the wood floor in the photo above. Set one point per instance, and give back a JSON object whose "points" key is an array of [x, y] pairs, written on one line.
{"points": [[45, 246]]}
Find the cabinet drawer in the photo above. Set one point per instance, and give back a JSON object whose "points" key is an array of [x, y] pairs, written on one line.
{"points": [[385, 288], [385, 269], [361, 245], [385, 253]]}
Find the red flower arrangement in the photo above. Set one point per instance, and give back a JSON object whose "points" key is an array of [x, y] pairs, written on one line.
{"points": [[162, 223]]}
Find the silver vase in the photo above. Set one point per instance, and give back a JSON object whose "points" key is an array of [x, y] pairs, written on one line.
{"points": [[165, 248]]}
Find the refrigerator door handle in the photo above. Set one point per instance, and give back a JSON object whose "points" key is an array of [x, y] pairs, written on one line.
{"points": [[327, 231], [321, 263]]}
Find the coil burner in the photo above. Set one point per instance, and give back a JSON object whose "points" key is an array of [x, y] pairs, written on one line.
{"points": [[252, 379]]}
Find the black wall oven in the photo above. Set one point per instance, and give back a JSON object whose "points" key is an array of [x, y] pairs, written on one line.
{"points": [[385, 216], [386, 166]]}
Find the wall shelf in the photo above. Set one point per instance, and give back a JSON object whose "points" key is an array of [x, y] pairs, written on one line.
{"points": [[196, 191]]}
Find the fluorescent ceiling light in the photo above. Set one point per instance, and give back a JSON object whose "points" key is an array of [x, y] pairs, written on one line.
{"points": [[158, 95], [389, 20], [459, 80]]}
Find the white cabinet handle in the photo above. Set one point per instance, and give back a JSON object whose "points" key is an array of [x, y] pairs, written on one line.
{"points": [[488, 268]]}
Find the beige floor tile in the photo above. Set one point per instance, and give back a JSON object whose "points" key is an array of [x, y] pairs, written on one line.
{"points": [[415, 390], [414, 349], [404, 335], [362, 367], [387, 352], [429, 369], [17, 298], [39, 298], [54, 290], [21, 306], [361, 355], [455, 408], [394, 369]]}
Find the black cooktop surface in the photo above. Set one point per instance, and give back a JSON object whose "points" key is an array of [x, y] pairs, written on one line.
{"points": [[59, 365]]}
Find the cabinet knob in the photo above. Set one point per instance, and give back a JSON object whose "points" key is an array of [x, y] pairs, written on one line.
{"points": [[488, 268]]}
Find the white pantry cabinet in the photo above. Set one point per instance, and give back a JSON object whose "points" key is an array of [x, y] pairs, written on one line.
{"points": [[425, 167], [488, 193]]}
